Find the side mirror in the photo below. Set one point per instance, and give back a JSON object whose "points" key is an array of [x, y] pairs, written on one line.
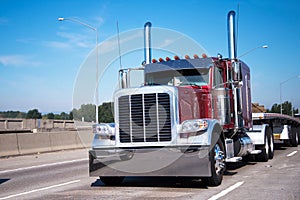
{"points": [[237, 71], [131, 77], [123, 80]]}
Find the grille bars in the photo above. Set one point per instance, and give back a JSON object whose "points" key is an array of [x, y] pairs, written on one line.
{"points": [[145, 118]]}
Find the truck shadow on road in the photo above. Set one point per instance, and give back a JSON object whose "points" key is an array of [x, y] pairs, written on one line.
{"points": [[248, 161], [231, 167], [3, 180], [279, 146], [163, 182]]}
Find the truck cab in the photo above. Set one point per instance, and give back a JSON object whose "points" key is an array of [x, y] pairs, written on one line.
{"points": [[188, 118]]}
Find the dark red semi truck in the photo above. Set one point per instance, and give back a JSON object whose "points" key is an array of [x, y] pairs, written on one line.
{"points": [[190, 118]]}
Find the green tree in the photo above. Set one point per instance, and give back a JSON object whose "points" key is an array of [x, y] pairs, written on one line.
{"points": [[12, 114], [75, 114], [33, 114], [275, 108], [64, 116], [287, 108], [86, 111], [106, 112], [71, 116], [50, 116], [57, 116], [21, 115]]}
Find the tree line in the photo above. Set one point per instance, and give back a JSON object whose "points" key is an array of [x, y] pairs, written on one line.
{"points": [[35, 114], [287, 108], [86, 113]]}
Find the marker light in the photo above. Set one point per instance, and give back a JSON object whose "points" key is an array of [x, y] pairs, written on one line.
{"points": [[187, 57], [196, 56], [161, 60]]}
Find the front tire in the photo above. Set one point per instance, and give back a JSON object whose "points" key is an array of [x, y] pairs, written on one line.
{"points": [[217, 160], [264, 155]]}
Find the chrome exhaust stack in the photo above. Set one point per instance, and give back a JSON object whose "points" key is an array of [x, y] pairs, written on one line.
{"points": [[147, 42], [231, 35], [237, 72]]}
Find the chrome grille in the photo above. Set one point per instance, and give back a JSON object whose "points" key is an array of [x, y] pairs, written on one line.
{"points": [[145, 118]]}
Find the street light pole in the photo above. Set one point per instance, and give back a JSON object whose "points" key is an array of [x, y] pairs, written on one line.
{"points": [[281, 83], [96, 30], [264, 47]]}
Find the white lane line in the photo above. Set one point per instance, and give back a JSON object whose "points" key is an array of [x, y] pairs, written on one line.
{"points": [[224, 192], [38, 190], [43, 165], [291, 154]]}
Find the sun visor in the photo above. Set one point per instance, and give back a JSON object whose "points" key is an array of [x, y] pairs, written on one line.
{"points": [[178, 65]]}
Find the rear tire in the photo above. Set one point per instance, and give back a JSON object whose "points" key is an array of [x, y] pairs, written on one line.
{"points": [[294, 137], [286, 143], [112, 180], [217, 160], [298, 135]]}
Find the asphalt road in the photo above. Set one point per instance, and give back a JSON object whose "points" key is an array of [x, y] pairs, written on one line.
{"points": [[64, 175]]}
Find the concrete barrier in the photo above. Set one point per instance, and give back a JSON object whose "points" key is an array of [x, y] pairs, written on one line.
{"points": [[65, 140], [43, 125], [85, 137], [30, 143], [34, 142], [9, 144]]}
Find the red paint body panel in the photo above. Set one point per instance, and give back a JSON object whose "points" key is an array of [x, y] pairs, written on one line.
{"points": [[194, 103]]}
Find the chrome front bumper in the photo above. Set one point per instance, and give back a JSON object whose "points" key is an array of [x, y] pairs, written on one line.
{"points": [[165, 161]]}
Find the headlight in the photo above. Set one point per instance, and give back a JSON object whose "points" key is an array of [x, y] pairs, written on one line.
{"points": [[194, 126], [103, 129]]}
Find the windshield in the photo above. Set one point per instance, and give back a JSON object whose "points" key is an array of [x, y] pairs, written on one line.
{"points": [[195, 77]]}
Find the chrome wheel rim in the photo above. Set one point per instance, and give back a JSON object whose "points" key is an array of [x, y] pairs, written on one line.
{"points": [[267, 146], [271, 144], [219, 159]]}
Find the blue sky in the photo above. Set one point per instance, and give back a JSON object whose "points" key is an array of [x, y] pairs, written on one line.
{"points": [[41, 57]]}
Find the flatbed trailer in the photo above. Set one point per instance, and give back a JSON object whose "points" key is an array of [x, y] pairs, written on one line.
{"points": [[284, 127]]}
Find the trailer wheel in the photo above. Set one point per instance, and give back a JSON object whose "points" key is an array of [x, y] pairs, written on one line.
{"points": [[112, 180], [294, 137], [286, 143], [298, 135], [217, 165], [271, 143]]}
